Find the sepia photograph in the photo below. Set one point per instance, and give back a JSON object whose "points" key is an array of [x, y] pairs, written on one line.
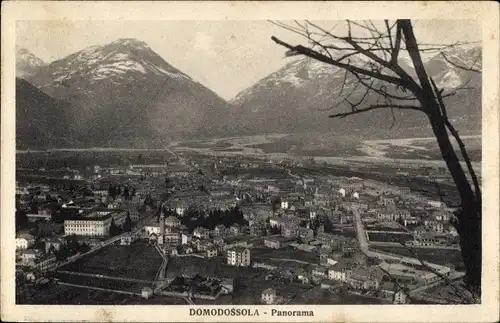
{"points": [[249, 162]]}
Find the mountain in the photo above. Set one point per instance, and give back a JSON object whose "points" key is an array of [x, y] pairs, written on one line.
{"points": [[450, 76], [300, 96], [41, 121], [27, 63], [124, 94]]}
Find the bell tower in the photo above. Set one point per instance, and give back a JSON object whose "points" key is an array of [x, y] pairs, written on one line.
{"points": [[161, 237]]}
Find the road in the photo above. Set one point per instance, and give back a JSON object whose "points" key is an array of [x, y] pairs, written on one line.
{"points": [[160, 274], [360, 232]]}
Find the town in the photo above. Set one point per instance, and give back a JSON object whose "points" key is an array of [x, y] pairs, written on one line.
{"points": [[197, 229]]}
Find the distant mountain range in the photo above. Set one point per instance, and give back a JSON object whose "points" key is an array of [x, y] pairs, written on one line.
{"points": [[300, 96], [124, 94]]}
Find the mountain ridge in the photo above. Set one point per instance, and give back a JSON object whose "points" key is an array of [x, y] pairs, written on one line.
{"points": [[124, 93], [293, 100]]}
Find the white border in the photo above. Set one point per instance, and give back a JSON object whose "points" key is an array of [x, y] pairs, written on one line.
{"points": [[486, 12]]}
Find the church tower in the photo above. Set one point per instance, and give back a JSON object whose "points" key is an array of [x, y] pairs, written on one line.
{"points": [[161, 237]]}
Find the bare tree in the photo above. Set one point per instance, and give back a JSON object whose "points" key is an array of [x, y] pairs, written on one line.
{"points": [[372, 60]]}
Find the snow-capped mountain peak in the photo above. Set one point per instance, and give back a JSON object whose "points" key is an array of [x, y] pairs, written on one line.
{"points": [[124, 92], [117, 61], [449, 68], [471, 57], [133, 42], [27, 63], [301, 95], [296, 74]]}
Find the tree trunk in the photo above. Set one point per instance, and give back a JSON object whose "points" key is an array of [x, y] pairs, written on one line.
{"points": [[469, 219]]}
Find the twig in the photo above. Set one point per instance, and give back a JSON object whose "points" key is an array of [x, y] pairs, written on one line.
{"points": [[374, 107], [465, 68]]}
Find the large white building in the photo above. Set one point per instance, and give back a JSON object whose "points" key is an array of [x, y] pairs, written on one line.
{"points": [[92, 225], [238, 256], [152, 229], [393, 215], [24, 241]]}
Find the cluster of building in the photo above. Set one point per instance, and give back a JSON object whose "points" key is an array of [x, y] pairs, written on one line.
{"points": [[313, 214]]}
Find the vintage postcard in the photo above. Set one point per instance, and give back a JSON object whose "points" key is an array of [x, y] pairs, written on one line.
{"points": [[250, 161]]}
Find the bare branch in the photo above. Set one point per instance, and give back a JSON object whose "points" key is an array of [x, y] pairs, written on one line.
{"points": [[465, 68], [325, 59], [389, 33], [355, 105], [343, 83], [289, 28], [378, 74], [392, 65], [375, 107], [397, 44], [364, 26], [382, 91]]}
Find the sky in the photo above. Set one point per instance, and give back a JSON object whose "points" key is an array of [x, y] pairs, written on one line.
{"points": [[226, 56]]}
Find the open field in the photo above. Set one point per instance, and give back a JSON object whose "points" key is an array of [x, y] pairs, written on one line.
{"points": [[380, 227], [207, 144], [287, 252], [138, 261], [348, 232], [132, 287], [68, 295], [82, 158], [318, 295], [418, 148], [389, 237], [333, 145], [438, 256]]}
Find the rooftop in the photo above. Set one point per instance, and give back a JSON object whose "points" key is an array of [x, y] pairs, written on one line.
{"points": [[26, 236], [238, 249]]}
